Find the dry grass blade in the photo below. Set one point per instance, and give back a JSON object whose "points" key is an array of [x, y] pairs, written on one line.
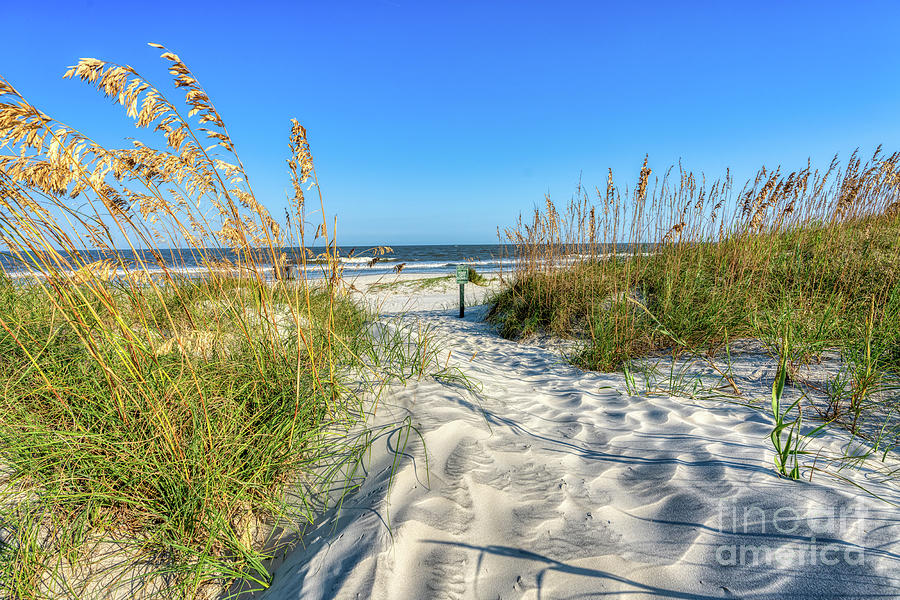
{"points": [[142, 407]]}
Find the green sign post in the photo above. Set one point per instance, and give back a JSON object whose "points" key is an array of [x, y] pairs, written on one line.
{"points": [[462, 277]]}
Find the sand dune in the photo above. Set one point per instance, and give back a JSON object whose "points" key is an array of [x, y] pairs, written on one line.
{"points": [[551, 482]]}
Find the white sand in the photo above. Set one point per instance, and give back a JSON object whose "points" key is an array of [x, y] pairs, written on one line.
{"points": [[555, 483]]}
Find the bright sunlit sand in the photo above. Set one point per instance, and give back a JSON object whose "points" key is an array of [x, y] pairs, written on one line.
{"points": [[551, 482]]}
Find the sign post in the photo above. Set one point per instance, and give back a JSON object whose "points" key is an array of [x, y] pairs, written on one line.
{"points": [[462, 276]]}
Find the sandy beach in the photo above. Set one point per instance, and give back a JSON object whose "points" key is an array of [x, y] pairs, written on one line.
{"points": [[232, 356], [552, 482]]}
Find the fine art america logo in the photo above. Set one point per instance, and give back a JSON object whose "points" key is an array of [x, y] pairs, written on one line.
{"points": [[787, 537]]}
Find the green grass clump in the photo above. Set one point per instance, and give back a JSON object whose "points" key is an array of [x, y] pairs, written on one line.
{"points": [[697, 295], [476, 277], [171, 441], [701, 265], [157, 423]]}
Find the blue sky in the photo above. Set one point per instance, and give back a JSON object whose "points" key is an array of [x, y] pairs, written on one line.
{"points": [[436, 122]]}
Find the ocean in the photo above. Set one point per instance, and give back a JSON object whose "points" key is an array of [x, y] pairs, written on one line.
{"points": [[427, 259]]}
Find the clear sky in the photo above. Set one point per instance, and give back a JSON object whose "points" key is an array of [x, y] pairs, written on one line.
{"points": [[435, 122]]}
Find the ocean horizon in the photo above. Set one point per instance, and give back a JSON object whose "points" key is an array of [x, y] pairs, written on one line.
{"points": [[361, 259], [424, 259]]}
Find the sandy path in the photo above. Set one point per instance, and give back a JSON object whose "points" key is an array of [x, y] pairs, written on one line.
{"points": [[554, 483]]}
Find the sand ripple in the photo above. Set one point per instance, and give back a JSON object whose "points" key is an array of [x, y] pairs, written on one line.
{"points": [[555, 483]]}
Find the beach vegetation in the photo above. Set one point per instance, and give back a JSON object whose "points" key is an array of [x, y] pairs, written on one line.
{"points": [[685, 266], [476, 278], [411, 285], [171, 398]]}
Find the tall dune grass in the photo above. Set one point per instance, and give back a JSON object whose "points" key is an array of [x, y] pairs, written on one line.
{"points": [[684, 264], [150, 423]]}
